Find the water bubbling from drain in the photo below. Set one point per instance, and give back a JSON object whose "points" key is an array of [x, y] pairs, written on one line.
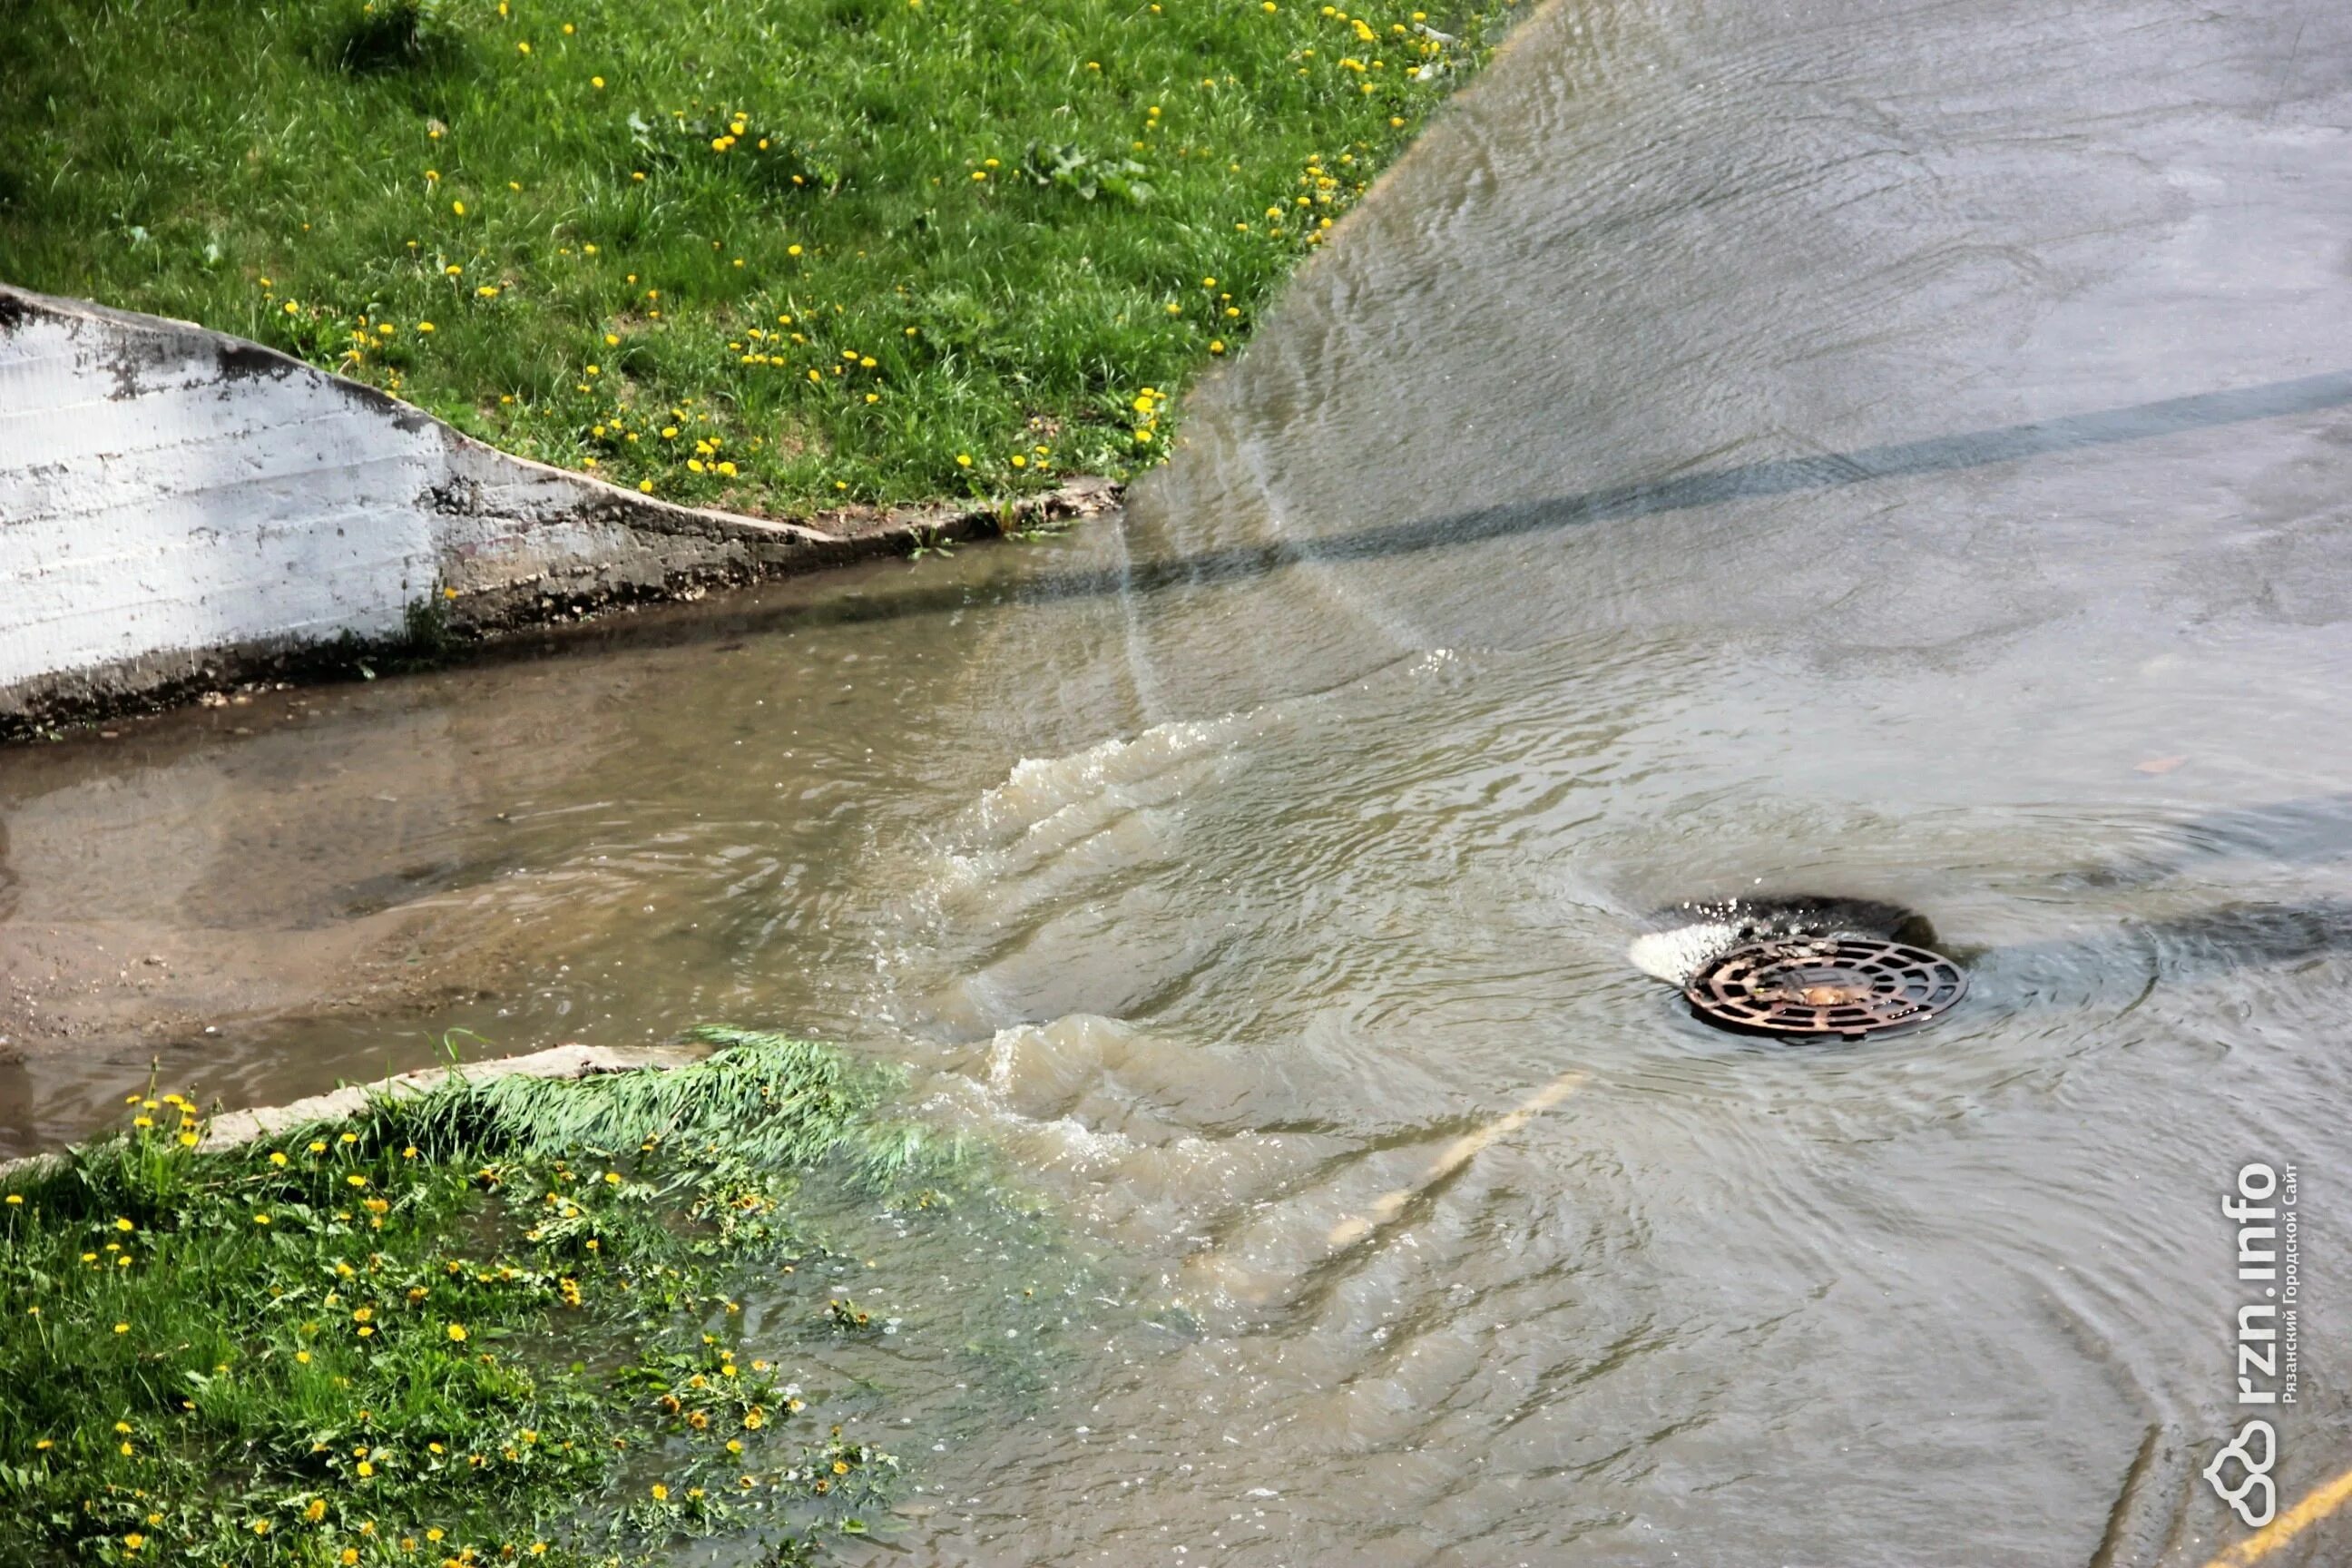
{"points": [[1691, 935], [1761, 406]]}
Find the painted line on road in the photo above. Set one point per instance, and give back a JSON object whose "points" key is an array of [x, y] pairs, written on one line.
{"points": [[1458, 1153], [2314, 1507]]}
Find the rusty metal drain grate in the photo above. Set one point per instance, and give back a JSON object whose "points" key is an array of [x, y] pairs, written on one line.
{"points": [[1849, 986]]}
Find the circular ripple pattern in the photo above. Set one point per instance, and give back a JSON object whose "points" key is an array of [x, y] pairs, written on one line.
{"points": [[1824, 985]]}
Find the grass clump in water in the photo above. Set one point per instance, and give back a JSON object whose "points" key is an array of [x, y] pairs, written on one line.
{"points": [[762, 256], [469, 1327]]}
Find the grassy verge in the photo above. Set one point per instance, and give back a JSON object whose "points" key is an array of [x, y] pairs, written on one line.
{"points": [[762, 256], [490, 1323]]}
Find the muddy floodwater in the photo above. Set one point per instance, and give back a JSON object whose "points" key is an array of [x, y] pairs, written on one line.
{"points": [[1894, 452]]}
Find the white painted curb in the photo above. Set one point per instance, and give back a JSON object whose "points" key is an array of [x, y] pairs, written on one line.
{"points": [[179, 506]]}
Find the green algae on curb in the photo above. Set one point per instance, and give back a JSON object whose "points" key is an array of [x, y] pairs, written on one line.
{"points": [[470, 1325], [766, 257]]}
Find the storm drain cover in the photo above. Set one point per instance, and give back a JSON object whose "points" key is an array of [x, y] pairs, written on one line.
{"points": [[1850, 986]]}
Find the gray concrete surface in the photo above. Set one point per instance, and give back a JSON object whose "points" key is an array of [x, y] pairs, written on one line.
{"points": [[180, 508]]}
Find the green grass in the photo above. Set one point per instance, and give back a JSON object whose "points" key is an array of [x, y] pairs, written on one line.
{"points": [[764, 255], [467, 1327]]}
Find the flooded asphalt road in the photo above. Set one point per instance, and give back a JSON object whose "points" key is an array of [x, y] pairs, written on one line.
{"points": [[1900, 452]]}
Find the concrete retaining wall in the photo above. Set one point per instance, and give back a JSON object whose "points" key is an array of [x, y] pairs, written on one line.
{"points": [[179, 508]]}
